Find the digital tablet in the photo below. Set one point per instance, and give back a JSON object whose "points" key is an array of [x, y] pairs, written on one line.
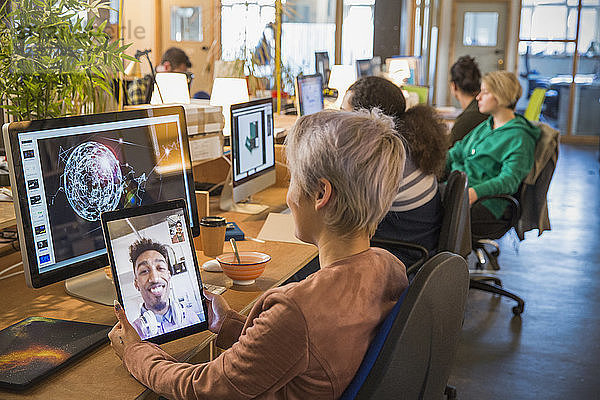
{"points": [[154, 267]]}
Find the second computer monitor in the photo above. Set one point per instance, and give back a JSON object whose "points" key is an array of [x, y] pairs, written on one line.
{"points": [[252, 148], [309, 94]]}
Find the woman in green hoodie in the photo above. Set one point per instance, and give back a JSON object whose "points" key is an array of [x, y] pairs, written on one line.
{"points": [[498, 153]]}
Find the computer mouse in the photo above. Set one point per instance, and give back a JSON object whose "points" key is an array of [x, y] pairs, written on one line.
{"points": [[212, 266]]}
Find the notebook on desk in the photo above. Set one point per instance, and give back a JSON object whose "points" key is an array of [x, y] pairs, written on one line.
{"points": [[36, 347], [279, 227]]}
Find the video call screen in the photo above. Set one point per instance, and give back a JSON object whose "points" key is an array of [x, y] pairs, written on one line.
{"points": [[160, 288]]}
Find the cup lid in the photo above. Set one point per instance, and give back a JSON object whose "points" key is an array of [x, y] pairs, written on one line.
{"points": [[213, 221]]}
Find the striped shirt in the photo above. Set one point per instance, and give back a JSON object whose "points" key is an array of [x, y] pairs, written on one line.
{"points": [[416, 189]]}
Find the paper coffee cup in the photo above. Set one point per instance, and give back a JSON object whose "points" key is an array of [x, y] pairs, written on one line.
{"points": [[212, 232]]}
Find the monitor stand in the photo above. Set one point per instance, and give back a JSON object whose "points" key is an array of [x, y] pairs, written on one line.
{"points": [[227, 203], [93, 286]]}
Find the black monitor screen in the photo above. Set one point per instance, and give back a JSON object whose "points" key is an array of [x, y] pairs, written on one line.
{"points": [[71, 170]]}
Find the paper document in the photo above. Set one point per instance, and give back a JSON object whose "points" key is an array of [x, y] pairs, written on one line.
{"points": [[279, 228]]}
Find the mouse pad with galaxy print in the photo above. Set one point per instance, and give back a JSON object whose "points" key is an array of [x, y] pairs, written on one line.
{"points": [[37, 346]]}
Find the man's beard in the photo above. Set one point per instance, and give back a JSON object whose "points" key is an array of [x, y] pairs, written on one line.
{"points": [[159, 306]]}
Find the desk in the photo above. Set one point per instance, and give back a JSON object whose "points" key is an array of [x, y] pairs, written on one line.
{"points": [[7, 215], [100, 375]]}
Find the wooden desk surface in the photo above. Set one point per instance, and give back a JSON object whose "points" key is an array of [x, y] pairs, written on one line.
{"points": [[100, 374], [7, 214]]}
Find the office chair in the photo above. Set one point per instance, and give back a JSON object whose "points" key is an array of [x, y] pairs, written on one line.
{"points": [[527, 210], [497, 229], [456, 236], [534, 107], [455, 231], [411, 355], [421, 253]]}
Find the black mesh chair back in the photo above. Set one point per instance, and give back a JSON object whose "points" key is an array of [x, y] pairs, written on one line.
{"points": [[455, 233], [416, 358]]}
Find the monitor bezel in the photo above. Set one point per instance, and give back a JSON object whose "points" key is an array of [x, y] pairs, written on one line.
{"points": [[234, 140], [299, 80], [13, 130]]}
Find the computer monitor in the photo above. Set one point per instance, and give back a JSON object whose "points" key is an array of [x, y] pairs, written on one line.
{"points": [[65, 172], [252, 155], [309, 94], [322, 66], [368, 67], [404, 70]]}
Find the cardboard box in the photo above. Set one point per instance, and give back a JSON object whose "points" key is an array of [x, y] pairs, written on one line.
{"points": [[206, 147], [202, 118]]}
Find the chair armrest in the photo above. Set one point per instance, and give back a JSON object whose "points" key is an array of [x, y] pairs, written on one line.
{"points": [[423, 252]]}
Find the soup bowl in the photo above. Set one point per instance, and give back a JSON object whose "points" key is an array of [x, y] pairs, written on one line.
{"points": [[245, 273]]}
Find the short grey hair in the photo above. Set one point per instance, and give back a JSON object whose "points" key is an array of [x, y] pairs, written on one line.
{"points": [[362, 156]]}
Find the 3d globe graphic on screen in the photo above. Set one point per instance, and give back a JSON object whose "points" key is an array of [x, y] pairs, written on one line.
{"points": [[92, 180]]}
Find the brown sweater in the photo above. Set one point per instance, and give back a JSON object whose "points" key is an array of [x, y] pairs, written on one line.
{"points": [[304, 340]]}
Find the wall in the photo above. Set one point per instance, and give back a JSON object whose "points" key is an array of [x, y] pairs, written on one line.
{"points": [[139, 18]]}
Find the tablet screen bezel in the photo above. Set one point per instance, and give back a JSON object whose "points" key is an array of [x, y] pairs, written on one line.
{"points": [[174, 205]]}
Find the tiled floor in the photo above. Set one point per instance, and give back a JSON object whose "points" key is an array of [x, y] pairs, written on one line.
{"points": [[553, 350]]}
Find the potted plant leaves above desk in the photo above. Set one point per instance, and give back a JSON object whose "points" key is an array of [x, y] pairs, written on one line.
{"points": [[56, 58]]}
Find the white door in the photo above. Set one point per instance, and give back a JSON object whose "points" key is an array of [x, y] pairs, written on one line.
{"points": [[190, 25], [481, 33]]}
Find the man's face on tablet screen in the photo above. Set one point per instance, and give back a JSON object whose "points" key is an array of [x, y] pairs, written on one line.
{"points": [[152, 279]]}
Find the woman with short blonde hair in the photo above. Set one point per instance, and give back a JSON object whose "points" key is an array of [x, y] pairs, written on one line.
{"points": [[345, 169], [498, 153], [505, 87]]}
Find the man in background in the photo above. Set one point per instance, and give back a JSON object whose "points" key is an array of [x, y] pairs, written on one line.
{"points": [[173, 60]]}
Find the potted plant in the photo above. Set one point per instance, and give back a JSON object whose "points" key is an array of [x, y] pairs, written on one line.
{"points": [[55, 58]]}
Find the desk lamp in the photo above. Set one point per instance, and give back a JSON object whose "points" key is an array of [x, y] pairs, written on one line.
{"points": [[173, 89], [342, 76], [133, 70], [228, 91]]}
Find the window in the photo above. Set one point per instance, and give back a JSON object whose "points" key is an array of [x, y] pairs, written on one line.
{"points": [[480, 29], [186, 24], [547, 49], [307, 26], [535, 15], [242, 25], [357, 30]]}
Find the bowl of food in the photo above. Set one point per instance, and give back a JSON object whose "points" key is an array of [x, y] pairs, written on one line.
{"points": [[245, 272]]}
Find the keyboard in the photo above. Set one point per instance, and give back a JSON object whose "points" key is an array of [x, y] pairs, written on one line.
{"points": [[214, 289]]}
